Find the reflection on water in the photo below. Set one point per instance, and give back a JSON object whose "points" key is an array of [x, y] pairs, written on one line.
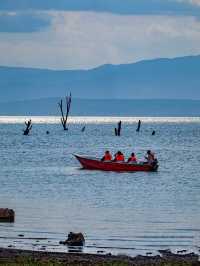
{"points": [[118, 212], [97, 119]]}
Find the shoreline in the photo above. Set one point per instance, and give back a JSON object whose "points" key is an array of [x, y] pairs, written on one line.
{"points": [[10, 256]]}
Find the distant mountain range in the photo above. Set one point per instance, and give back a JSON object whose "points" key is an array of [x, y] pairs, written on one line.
{"points": [[104, 107], [177, 78]]}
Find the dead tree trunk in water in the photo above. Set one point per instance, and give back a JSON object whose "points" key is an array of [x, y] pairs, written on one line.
{"points": [[65, 117], [83, 129], [118, 129], [28, 127], [139, 125]]}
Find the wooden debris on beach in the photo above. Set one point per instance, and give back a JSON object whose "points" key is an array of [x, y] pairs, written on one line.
{"points": [[7, 215], [28, 127], [118, 129], [74, 239], [64, 117]]}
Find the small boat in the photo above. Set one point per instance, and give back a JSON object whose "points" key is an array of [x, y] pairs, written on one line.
{"points": [[96, 164]]}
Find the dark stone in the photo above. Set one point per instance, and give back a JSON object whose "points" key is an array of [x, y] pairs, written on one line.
{"points": [[181, 251], [7, 215], [74, 239], [100, 251], [167, 254]]}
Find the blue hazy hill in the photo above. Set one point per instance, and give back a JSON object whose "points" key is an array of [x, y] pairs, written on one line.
{"points": [[104, 107], [177, 78]]}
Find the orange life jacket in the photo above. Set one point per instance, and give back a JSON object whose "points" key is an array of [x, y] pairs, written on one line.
{"points": [[132, 159], [107, 157], [119, 157]]}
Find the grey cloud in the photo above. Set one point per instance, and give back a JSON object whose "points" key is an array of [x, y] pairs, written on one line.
{"points": [[82, 40]]}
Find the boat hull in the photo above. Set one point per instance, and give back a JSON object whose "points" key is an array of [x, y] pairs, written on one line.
{"points": [[95, 164]]}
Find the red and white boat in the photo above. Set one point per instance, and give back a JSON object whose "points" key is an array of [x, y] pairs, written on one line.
{"points": [[96, 164]]}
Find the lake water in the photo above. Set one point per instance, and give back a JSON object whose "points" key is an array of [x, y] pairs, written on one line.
{"points": [[126, 213]]}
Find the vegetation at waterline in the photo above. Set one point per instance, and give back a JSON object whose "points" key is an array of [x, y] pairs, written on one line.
{"points": [[28, 262], [21, 261]]}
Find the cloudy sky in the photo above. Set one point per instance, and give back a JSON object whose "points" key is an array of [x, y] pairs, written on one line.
{"points": [[82, 34]]}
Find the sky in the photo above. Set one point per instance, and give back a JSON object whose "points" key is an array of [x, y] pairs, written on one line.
{"points": [[83, 34]]}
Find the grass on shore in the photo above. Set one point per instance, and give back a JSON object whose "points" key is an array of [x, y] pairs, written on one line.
{"points": [[50, 262]]}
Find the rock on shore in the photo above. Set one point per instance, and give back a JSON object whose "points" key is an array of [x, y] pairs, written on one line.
{"points": [[74, 239], [7, 215]]}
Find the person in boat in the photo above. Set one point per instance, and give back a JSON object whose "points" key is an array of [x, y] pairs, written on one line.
{"points": [[150, 157], [107, 156], [119, 157], [132, 158]]}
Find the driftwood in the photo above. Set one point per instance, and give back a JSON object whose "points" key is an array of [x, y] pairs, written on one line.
{"points": [[7, 215], [64, 117], [118, 129], [139, 125], [28, 127]]}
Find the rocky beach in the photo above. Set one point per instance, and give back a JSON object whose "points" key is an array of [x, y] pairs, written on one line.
{"points": [[23, 257]]}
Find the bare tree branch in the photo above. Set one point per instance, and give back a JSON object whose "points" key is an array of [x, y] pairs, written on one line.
{"points": [[64, 118], [28, 127]]}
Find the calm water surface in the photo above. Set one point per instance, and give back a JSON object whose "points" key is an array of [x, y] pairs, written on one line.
{"points": [[131, 213]]}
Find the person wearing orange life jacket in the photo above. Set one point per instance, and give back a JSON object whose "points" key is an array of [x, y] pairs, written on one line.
{"points": [[132, 158], [107, 157], [119, 157]]}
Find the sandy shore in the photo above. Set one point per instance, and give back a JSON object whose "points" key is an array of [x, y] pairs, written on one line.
{"points": [[23, 257]]}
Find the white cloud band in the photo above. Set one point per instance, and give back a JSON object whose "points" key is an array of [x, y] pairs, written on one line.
{"points": [[87, 39]]}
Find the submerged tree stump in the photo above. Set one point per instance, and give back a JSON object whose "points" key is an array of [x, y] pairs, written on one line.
{"points": [[83, 129], [118, 129], [138, 127], [28, 127], [7, 215]]}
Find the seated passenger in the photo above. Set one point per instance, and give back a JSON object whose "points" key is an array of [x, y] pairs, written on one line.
{"points": [[119, 157], [132, 158], [107, 156], [150, 157]]}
